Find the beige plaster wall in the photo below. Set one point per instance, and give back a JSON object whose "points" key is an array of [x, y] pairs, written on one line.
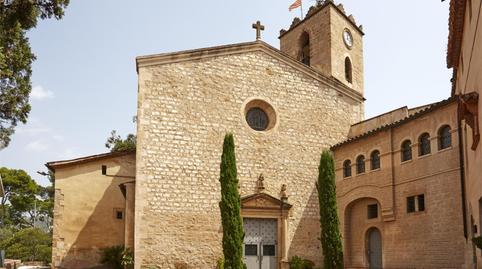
{"points": [[469, 79], [84, 210], [185, 109], [433, 238]]}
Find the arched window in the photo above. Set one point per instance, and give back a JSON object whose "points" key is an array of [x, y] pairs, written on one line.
{"points": [[305, 48], [406, 150], [444, 137], [375, 157], [360, 164], [424, 144], [348, 70], [347, 168]]}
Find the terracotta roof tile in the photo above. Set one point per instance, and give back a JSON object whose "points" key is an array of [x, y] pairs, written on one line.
{"points": [[413, 116]]}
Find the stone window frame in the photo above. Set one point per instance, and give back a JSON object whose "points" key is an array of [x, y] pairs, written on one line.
{"points": [[115, 212], [379, 162], [267, 106], [348, 69], [440, 137], [419, 204], [424, 144], [360, 163], [345, 168], [370, 208], [403, 151], [302, 45]]}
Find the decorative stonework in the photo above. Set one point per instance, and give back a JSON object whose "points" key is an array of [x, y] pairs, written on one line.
{"points": [[260, 183], [469, 111]]}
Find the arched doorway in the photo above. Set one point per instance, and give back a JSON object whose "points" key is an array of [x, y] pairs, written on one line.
{"points": [[374, 248], [359, 216]]}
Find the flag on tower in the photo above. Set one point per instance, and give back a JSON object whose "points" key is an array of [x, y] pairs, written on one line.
{"points": [[296, 4]]}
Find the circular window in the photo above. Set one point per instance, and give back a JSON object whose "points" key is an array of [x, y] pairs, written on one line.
{"points": [[259, 115], [257, 119]]}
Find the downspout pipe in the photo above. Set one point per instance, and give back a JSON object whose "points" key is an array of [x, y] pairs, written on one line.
{"points": [[462, 168]]}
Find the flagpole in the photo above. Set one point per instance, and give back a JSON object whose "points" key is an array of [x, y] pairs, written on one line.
{"points": [[301, 5]]}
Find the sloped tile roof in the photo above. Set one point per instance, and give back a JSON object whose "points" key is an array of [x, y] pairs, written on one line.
{"points": [[413, 116]]}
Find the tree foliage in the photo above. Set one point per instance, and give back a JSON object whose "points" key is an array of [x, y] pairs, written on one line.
{"points": [[116, 144], [29, 244], [330, 233], [20, 195], [25, 203], [16, 57], [230, 206], [117, 257]]}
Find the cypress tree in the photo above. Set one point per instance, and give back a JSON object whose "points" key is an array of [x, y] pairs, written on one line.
{"points": [[230, 208], [329, 222]]}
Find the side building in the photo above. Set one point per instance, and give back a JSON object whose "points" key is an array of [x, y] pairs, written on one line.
{"points": [[399, 190], [465, 57], [93, 207]]}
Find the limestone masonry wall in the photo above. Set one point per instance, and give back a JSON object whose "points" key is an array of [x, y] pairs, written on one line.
{"points": [[184, 111]]}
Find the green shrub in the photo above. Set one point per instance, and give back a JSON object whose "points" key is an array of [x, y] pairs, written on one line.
{"points": [[297, 262], [477, 241], [127, 258], [220, 263], [30, 244], [117, 257]]}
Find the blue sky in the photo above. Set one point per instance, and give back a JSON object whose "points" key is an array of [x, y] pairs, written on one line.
{"points": [[85, 81]]}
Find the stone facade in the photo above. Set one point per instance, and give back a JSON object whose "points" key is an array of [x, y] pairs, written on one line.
{"points": [[86, 206], [465, 57], [325, 26], [429, 238], [187, 102]]}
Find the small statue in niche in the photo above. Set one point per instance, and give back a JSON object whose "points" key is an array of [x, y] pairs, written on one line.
{"points": [[283, 194], [260, 183]]}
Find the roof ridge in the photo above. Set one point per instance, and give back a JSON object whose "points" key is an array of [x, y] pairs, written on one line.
{"points": [[51, 165]]}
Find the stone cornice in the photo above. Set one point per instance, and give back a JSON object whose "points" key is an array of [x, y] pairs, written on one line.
{"points": [[242, 48]]}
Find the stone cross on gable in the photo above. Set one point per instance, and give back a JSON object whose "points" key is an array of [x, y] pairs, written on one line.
{"points": [[259, 27]]}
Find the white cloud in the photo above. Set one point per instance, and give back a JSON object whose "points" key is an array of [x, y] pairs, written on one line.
{"points": [[37, 146], [69, 153], [39, 93], [58, 138], [33, 131]]}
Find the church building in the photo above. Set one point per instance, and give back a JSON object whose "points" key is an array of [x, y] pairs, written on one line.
{"points": [[284, 107]]}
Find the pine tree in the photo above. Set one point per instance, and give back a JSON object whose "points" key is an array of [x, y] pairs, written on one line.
{"points": [[329, 222], [16, 58], [230, 208]]}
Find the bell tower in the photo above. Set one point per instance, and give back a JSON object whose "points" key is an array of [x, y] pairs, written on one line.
{"points": [[329, 41]]}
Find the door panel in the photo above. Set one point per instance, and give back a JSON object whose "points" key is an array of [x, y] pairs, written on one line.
{"points": [[260, 246], [375, 249], [251, 256], [269, 260]]}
